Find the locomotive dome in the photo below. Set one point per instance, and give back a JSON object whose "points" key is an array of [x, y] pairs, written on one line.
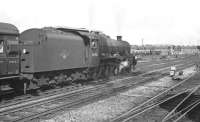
{"points": [[6, 28]]}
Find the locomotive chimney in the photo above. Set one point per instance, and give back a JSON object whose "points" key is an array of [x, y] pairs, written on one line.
{"points": [[119, 38]]}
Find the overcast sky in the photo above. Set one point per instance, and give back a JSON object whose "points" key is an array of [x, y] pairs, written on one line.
{"points": [[156, 21]]}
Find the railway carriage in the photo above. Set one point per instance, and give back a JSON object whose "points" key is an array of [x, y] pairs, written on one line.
{"points": [[9, 53]]}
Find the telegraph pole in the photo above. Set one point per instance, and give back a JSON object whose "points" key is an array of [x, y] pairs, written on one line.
{"points": [[142, 43]]}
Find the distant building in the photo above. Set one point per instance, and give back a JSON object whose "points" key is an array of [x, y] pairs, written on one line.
{"points": [[164, 49]]}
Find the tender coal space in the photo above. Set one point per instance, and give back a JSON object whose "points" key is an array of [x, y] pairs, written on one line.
{"points": [[193, 115]]}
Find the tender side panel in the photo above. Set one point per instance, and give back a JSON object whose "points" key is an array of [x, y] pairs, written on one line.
{"points": [[50, 50], [58, 52]]}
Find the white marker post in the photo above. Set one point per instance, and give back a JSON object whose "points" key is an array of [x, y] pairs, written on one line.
{"points": [[172, 71]]}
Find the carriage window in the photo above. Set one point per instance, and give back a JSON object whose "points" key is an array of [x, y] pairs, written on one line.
{"points": [[12, 48], [1, 46]]}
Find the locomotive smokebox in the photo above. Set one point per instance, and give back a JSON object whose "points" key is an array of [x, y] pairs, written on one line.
{"points": [[119, 38]]}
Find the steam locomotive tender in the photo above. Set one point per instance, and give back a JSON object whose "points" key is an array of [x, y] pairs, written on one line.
{"points": [[60, 55]]}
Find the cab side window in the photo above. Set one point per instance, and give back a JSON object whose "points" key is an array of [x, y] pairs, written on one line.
{"points": [[1, 46]]}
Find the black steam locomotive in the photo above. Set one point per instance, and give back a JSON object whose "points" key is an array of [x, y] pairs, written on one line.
{"points": [[56, 55]]}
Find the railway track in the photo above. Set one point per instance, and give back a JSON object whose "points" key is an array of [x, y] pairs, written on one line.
{"points": [[34, 109], [184, 89], [38, 95], [41, 107]]}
